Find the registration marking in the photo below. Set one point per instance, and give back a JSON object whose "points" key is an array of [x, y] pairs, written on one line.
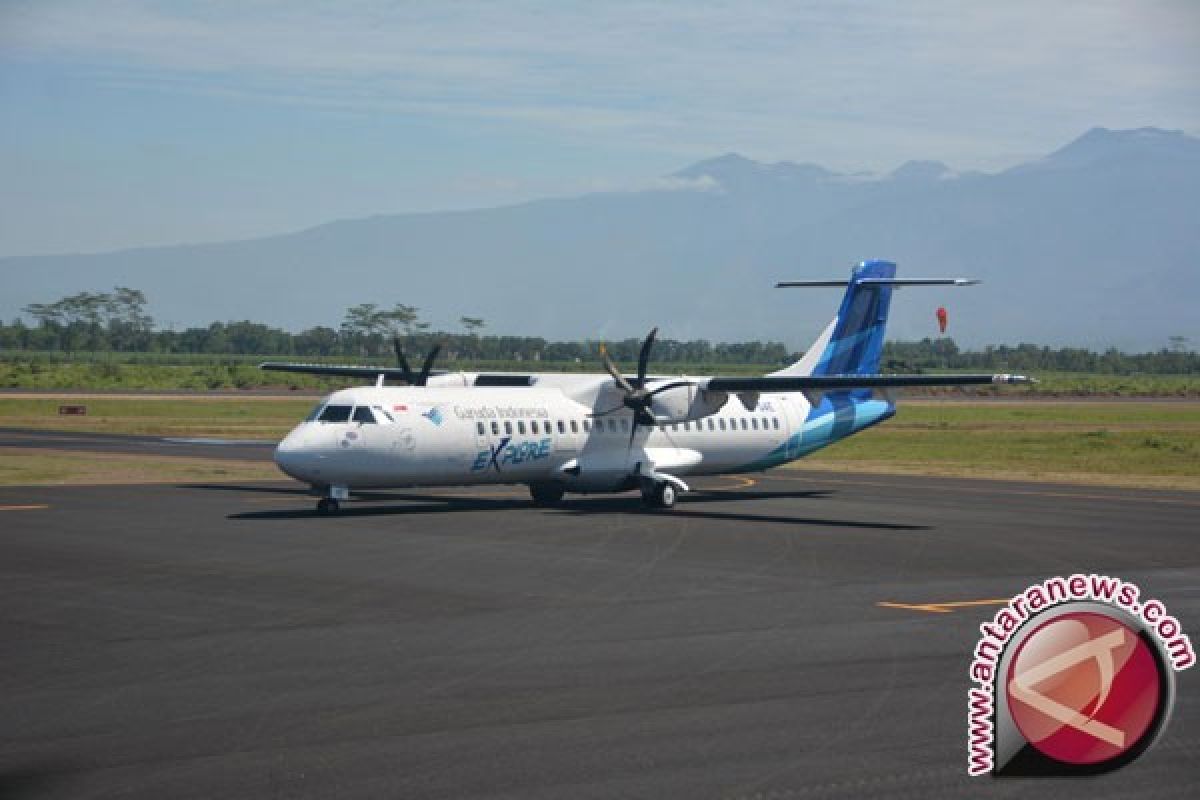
{"points": [[943, 608]]}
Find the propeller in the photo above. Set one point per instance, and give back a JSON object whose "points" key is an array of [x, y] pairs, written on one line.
{"points": [[636, 397], [421, 378]]}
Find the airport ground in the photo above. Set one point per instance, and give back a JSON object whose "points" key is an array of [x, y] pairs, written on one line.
{"points": [[772, 637], [179, 623]]}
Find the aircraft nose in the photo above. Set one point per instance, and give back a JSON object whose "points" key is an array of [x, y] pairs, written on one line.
{"points": [[292, 455]]}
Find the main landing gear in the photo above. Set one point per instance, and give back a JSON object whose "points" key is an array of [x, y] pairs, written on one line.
{"points": [[546, 494], [660, 494]]}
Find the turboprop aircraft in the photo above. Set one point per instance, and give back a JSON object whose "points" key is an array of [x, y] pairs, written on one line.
{"points": [[605, 432]]}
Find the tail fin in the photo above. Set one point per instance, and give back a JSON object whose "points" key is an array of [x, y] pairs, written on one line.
{"points": [[853, 342]]}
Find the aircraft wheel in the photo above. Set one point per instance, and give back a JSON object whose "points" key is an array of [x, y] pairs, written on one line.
{"points": [[546, 494], [327, 506], [662, 495]]}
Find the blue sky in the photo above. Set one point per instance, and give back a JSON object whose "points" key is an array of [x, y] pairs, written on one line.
{"points": [[135, 123]]}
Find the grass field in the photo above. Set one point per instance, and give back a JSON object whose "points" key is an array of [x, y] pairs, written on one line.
{"points": [[24, 467], [240, 417], [1114, 442], [1119, 443], [134, 372], [148, 372]]}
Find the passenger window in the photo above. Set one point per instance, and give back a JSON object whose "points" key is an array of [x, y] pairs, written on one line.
{"points": [[479, 427], [574, 426], [587, 425], [336, 414], [521, 427], [745, 425], [363, 414], [495, 428], [721, 423], [533, 426], [562, 426], [507, 428], [754, 423], [612, 425], [775, 423], [711, 424], [624, 424]]}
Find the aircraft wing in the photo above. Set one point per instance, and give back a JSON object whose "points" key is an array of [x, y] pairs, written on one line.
{"points": [[831, 383], [345, 370], [396, 374]]}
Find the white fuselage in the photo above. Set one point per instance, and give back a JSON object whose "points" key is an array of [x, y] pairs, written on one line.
{"points": [[434, 436]]}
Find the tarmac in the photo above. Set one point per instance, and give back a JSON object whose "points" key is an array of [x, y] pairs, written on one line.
{"points": [[224, 641]]}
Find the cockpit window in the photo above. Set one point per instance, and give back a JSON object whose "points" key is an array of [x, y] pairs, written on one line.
{"points": [[335, 414], [315, 412], [379, 412], [363, 414]]}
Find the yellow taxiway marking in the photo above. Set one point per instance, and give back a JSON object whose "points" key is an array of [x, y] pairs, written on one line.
{"points": [[943, 608], [746, 483], [22, 508]]}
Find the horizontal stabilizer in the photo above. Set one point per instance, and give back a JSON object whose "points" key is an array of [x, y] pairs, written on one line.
{"points": [[801, 383], [878, 282]]}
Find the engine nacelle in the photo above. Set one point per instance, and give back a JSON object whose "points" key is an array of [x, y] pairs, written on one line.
{"points": [[683, 403]]}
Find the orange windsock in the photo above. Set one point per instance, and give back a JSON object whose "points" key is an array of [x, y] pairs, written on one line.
{"points": [[942, 318]]}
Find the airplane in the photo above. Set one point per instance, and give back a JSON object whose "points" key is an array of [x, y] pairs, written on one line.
{"points": [[605, 432]]}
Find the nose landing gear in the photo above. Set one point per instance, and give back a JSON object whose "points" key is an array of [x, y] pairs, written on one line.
{"points": [[331, 504]]}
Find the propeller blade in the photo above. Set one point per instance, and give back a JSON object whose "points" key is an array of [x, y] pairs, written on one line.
{"points": [[427, 367], [402, 361], [612, 370], [644, 357]]}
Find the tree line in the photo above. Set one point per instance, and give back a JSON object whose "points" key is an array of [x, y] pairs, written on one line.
{"points": [[117, 321], [941, 354]]}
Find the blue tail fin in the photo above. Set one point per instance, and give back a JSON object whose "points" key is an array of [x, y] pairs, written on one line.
{"points": [[856, 343]]}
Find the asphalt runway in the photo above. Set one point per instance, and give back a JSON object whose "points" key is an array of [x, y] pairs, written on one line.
{"points": [[223, 641]]}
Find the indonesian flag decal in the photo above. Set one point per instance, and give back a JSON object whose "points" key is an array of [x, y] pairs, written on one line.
{"points": [[400, 407]]}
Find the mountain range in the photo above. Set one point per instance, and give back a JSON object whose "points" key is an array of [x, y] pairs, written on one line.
{"points": [[1096, 244]]}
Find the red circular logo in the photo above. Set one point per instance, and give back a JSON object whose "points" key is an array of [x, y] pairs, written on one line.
{"points": [[1083, 688]]}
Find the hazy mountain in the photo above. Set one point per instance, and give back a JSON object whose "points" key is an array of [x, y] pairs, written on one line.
{"points": [[1096, 244]]}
